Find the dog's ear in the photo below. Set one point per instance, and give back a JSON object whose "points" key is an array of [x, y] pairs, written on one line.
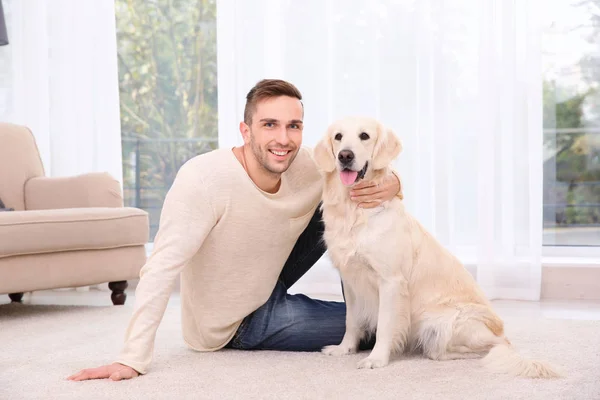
{"points": [[323, 154], [387, 147]]}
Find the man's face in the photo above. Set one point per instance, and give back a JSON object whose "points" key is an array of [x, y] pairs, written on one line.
{"points": [[275, 134]]}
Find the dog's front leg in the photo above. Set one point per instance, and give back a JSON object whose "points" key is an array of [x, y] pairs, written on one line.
{"points": [[353, 334], [393, 323]]}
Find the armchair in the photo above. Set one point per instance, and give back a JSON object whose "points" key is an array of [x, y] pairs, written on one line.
{"points": [[66, 231]]}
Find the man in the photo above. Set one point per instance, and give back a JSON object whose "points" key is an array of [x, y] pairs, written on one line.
{"points": [[241, 225]]}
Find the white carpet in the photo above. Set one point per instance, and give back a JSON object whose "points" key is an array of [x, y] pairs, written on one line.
{"points": [[42, 345]]}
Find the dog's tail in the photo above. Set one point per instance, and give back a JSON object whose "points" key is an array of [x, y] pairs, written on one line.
{"points": [[503, 358]]}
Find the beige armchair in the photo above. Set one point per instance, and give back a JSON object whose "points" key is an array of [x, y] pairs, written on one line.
{"points": [[63, 232]]}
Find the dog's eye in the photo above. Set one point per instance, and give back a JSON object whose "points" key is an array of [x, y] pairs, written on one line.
{"points": [[338, 136], [364, 136]]}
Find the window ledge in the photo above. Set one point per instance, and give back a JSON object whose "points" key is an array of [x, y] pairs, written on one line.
{"points": [[570, 261]]}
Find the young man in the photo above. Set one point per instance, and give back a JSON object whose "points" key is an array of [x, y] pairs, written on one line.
{"points": [[241, 226]]}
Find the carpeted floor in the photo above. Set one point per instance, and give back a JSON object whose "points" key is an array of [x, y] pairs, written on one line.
{"points": [[41, 345]]}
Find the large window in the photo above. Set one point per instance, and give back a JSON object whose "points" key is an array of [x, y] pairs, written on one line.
{"points": [[168, 93], [572, 123], [168, 88]]}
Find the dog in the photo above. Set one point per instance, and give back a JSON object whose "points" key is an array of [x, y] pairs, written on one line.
{"points": [[399, 282]]}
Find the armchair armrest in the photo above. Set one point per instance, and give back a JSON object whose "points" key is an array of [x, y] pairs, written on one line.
{"points": [[86, 190]]}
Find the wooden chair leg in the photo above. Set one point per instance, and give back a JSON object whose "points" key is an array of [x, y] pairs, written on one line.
{"points": [[118, 295], [16, 297]]}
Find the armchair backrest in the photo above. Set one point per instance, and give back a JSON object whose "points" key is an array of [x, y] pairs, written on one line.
{"points": [[19, 161]]}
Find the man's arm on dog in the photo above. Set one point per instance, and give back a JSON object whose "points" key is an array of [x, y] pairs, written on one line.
{"points": [[371, 195]]}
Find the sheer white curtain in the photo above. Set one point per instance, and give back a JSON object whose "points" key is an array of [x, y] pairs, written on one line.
{"points": [[459, 81], [59, 77]]}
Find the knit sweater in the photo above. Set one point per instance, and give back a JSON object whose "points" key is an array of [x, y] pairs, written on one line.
{"points": [[229, 241]]}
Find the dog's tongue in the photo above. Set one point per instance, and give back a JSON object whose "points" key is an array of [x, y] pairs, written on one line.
{"points": [[348, 177]]}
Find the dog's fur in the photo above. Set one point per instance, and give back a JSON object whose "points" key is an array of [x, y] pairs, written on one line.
{"points": [[399, 281]]}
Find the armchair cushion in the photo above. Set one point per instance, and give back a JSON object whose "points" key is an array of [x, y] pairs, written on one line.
{"points": [[86, 190], [46, 231]]}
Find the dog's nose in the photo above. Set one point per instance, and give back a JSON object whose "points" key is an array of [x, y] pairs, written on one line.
{"points": [[346, 156]]}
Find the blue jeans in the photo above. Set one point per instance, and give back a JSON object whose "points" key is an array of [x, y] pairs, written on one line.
{"points": [[295, 322]]}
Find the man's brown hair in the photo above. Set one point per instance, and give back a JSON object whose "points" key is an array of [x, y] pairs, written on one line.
{"points": [[264, 89]]}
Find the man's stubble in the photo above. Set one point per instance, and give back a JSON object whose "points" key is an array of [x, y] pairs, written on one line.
{"points": [[261, 156]]}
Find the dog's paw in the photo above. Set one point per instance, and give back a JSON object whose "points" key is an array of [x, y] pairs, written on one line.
{"points": [[370, 363], [338, 350]]}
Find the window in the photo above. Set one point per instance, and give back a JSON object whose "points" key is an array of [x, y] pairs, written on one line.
{"points": [[168, 93], [571, 123]]}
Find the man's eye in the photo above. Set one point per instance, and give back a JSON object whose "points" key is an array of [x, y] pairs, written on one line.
{"points": [[338, 136], [269, 124], [364, 136], [294, 126]]}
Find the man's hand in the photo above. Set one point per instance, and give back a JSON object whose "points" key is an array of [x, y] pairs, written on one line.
{"points": [[370, 195], [115, 372]]}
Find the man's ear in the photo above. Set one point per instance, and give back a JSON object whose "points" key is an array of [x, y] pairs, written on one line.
{"points": [[387, 148], [245, 131], [323, 154]]}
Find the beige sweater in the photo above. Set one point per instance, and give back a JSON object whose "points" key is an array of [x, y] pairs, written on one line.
{"points": [[229, 240]]}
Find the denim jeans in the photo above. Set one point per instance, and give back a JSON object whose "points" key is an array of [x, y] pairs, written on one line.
{"points": [[295, 322]]}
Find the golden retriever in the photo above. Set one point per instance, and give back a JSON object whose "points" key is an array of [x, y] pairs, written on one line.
{"points": [[398, 280]]}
